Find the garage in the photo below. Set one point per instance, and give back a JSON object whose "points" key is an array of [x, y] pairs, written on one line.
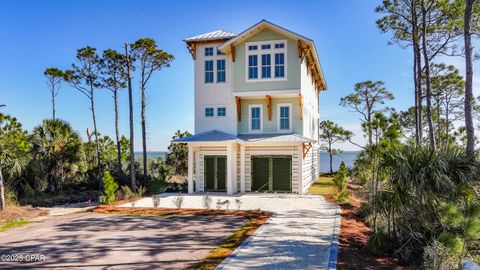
{"points": [[272, 173], [215, 173]]}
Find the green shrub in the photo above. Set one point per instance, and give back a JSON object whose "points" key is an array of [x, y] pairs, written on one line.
{"points": [[340, 178], [109, 187], [341, 197], [28, 191], [437, 256], [377, 244]]}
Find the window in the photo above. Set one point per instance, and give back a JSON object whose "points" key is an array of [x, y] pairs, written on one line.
{"points": [[220, 52], [266, 60], [266, 66], [209, 51], [209, 112], [252, 66], [221, 70], [255, 118], [284, 117], [221, 111], [279, 65], [209, 71]]}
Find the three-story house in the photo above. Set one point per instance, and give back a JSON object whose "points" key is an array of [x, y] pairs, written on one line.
{"points": [[256, 111]]}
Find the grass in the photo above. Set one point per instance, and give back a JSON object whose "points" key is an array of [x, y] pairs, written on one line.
{"points": [[13, 224], [217, 255], [324, 186]]}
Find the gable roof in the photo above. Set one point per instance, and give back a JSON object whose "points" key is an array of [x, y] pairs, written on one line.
{"points": [[215, 35], [306, 48]]}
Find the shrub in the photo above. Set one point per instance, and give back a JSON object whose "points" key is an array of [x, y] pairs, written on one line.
{"points": [[207, 201], [156, 201], [341, 197], [28, 191], [377, 244], [178, 200], [340, 178], [437, 256], [141, 190], [109, 187], [238, 203]]}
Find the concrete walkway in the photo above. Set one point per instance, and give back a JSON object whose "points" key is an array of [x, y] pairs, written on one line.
{"points": [[301, 234]]}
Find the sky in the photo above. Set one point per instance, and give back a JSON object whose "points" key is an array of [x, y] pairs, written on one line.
{"points": [[40, 34]]}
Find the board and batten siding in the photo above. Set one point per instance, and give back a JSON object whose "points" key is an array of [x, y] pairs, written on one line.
{"points": [[310, 170], [292, 71]]}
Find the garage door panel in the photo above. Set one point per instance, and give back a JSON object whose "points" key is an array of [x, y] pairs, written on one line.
{"points": [[282, 173], [260, 173], [221, 173], [210, 172], [271, 173]]}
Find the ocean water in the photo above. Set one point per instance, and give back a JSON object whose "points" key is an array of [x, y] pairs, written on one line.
{"points": [[347, 156]]}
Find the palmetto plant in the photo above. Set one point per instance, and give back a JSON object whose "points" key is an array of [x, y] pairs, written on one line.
{"points": [[58, 148]]}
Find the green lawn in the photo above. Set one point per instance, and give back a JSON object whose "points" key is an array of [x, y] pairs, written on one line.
{"points": [[324, 186], [13, 224]]}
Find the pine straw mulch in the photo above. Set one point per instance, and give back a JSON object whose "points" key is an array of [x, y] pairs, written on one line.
{"points": [[16, 212], [354, 235], [255, 219]]}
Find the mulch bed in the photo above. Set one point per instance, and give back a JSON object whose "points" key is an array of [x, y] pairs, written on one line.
{"points": [[217, 255], [354, 235]]}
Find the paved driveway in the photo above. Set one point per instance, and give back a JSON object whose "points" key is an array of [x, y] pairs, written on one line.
{"points": [[99, 241], [300, 235]]}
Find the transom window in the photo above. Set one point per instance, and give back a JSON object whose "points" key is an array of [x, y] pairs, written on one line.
{"points": [[255, 113], [209, 51], [221, 111], [271, 56], [208, 112], [284, 117]]}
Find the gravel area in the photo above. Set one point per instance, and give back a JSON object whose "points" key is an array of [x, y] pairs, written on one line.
{"points": [[101, 241], [298, 236]]}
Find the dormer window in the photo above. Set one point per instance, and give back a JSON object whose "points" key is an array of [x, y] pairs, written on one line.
{"points": [[272, 57]]}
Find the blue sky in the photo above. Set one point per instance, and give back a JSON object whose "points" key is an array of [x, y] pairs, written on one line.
{"points": [[40, 34]]}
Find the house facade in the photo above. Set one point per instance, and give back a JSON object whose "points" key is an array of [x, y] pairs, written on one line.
{"points": [[256, 111]]}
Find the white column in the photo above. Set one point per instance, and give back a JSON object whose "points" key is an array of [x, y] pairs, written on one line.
{"points": [[190, 169], [242, 168], [229, 170]]}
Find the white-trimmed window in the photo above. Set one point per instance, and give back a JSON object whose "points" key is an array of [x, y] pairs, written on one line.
{"points": [[209, 71], [221, 73], [208, 112], [255, 116], [266, 60], [221, 111], [209, 51], [284, 117]]}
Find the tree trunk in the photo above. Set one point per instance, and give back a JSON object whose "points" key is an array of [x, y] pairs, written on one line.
{"points": [[3, 204], [331, 160], [369, 127], [431, 133], [418, 90], [419, 93], [130, 109], [469, 77], [117, 133], [144, 129], [447, 124], [53, 103], [95, 132]]}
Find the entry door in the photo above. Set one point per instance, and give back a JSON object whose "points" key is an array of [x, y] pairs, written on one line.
{"points": [[215, 173], [272, 173]]}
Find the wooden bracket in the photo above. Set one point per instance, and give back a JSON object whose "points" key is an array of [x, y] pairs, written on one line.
{"points": [[232, 50], [299, 48], [192, 48], [306, 148], [269, 107], [238, 100], [300, 103]]}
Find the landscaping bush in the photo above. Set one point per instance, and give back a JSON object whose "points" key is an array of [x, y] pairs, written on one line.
{"points": [[178, 200], [207, 201], [109, 187], [341, 197], [340, 178]]}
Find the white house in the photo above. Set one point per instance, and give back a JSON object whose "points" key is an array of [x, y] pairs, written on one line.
{"points": [[256, 111]]}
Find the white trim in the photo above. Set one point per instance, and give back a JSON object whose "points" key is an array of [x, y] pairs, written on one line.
{"points": [[272, 93], [190, 169], [270, 51], [289, 105], [250, 106]]}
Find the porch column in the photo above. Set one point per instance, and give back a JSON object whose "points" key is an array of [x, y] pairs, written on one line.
{"points": [[229, 170], [190, 169], [242, 168]]}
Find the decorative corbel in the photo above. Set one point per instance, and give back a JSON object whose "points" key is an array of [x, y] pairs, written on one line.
{"points": [[269, 107], [300, 103], [238, 100], [232, 50]]}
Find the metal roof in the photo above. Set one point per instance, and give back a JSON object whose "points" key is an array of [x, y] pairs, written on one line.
{"points": [[219, 136], [274, 137], [219, 34]]}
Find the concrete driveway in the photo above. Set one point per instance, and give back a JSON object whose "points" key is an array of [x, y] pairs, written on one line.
{"points": [[99, 241], [302, 233]]}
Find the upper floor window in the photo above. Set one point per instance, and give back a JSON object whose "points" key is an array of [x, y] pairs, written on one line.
{"points": [[272, 55], [209, 51], [252, 66], [255, 113], [220, 52], [284, 118], [221, 70], [221, 111], [208, 112], [209, 71]]}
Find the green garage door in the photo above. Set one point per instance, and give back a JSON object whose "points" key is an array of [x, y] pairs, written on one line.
{"points": [[215, 173], [272, 173]]}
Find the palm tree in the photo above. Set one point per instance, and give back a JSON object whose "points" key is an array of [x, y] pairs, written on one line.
{"points": [[59, 148]]}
